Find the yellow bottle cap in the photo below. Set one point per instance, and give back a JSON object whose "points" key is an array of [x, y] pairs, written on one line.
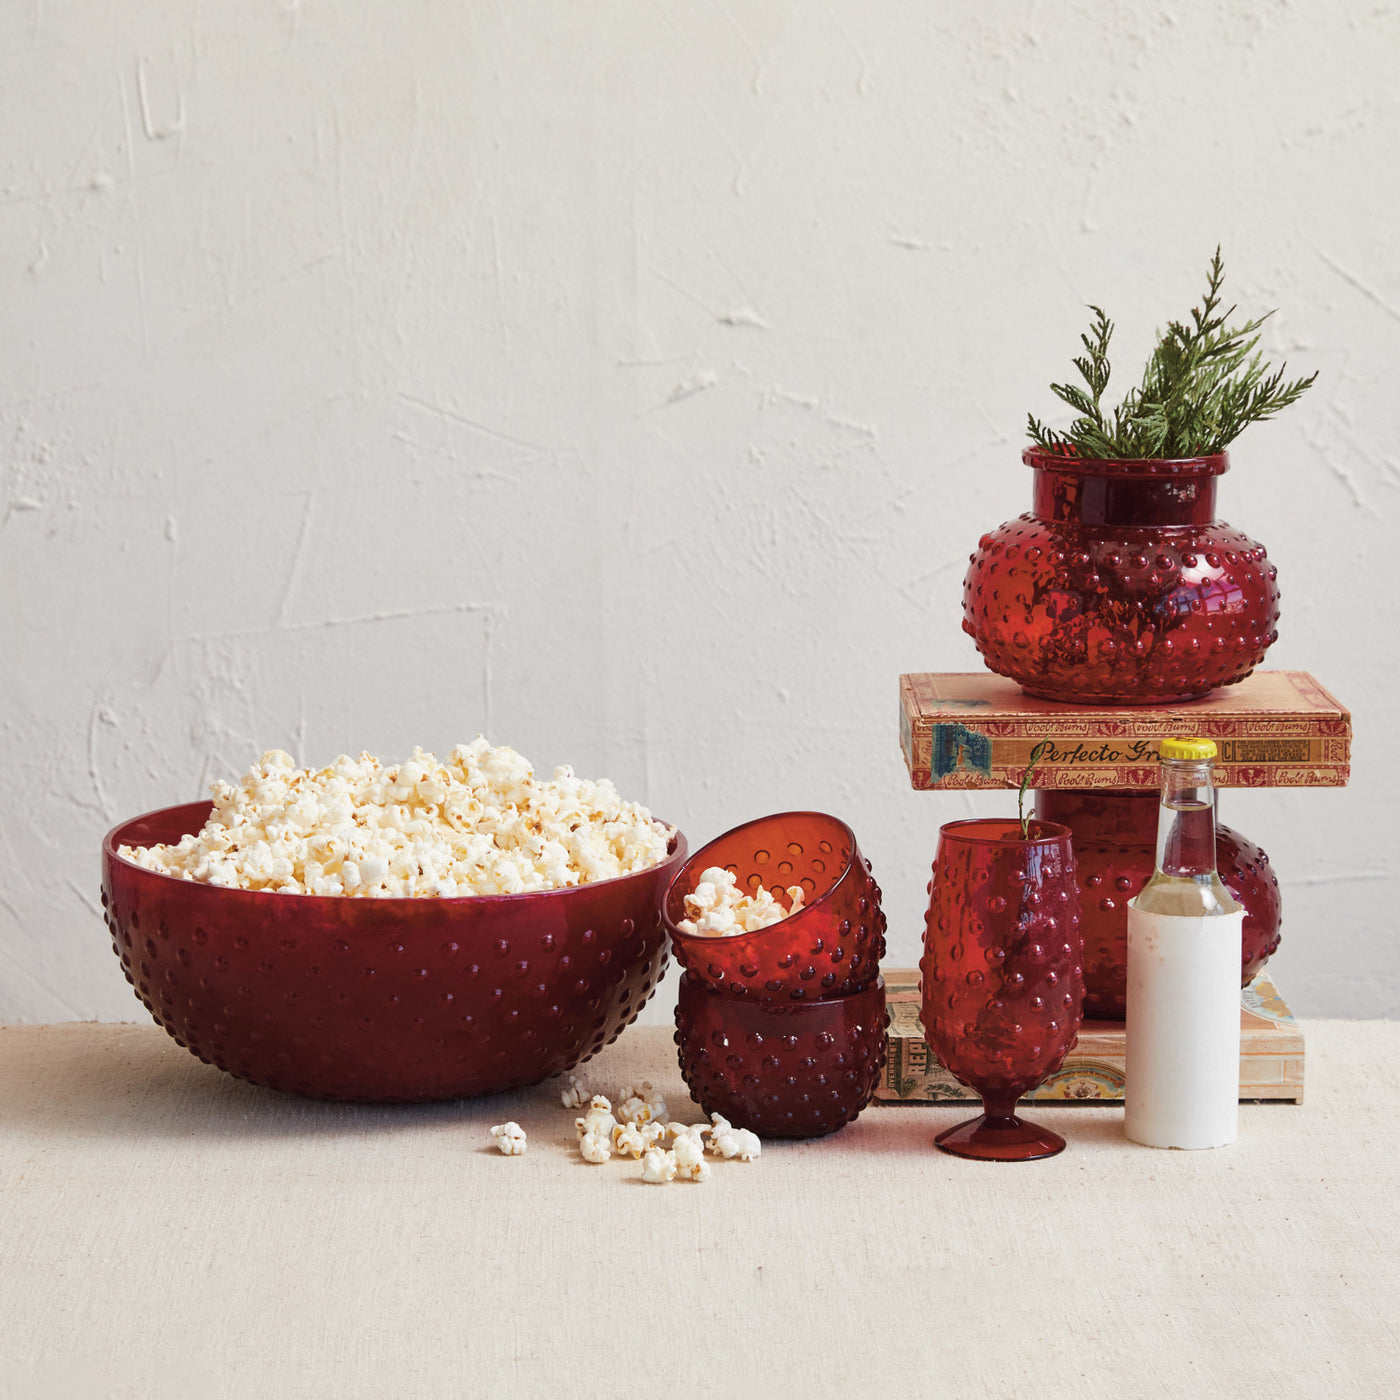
{"points": [[1192, 750]]}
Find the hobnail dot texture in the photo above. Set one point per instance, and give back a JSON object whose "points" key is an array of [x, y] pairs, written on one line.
{"points": [[831, 947], [781, 1069], [1121, 613], [1002, 979], [383, 999], [1115, 837]]}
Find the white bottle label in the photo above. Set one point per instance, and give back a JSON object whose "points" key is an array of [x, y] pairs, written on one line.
{"points": [[1183, 1029]]}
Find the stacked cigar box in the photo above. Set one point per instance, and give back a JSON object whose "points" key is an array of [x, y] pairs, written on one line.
{"points": [[975, 730]]}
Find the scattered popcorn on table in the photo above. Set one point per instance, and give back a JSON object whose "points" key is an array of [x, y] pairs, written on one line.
{"points": [[628, 1141], [659, 1167], [636, 1135], [695, 1131], [479, 823], [595, 1148], [689, 1153], [510, 1138], [635, 1139], [598, 1119], [641, 1104], [574, 1095], [717, 909], [719, 1126], [736, 1142]]}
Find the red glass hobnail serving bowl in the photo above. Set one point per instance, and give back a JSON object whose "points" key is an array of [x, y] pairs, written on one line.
{"points": [[1115, 840], [830, 947], [383, 999], [1001, 975], [1120, 587], [780, 1068]]}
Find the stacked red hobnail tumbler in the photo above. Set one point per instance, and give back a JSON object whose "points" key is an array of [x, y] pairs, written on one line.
{"points": [[782, 1030]]}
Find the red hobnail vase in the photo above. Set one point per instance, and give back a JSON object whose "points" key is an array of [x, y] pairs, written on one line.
{"points": [[782, 1069], [830, 947], [383, 999], [1115, 841], [1120, 587], [1001, 976]]}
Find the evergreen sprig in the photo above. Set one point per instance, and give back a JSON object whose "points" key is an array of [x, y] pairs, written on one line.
{"points": [[1204, 383]]}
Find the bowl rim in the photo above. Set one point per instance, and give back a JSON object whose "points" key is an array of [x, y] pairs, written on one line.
{"points": [[1048, 833], [712, 941], [678, 849]]}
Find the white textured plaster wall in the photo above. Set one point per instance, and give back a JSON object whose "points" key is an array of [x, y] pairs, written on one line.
{"points": [[631, 382]]}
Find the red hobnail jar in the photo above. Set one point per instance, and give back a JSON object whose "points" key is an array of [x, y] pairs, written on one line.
{"points": [[383, 999], [1120, 587], [830, 947], [779, 1068], [1115, 840]]}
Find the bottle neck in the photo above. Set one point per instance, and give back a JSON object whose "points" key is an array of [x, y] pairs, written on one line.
{"points": [[1186, 821]]}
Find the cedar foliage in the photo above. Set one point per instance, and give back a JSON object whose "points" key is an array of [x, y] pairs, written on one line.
{"points": [[1204, 383]]}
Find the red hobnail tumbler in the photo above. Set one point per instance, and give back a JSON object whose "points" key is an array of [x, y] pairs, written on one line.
{"points": [[780, 1068], [830, 947], [1120, 586], [1002, 980]]}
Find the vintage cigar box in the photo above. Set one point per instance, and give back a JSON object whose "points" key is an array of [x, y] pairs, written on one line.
{"points": [[976, 730], [1271, 1052]]}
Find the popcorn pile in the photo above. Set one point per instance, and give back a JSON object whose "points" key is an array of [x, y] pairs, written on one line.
{"points": [[637, 1131], [480, 823], [717, 909]]}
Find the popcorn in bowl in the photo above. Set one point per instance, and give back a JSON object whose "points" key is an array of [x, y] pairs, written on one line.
{"points": [[718, 910], [479, 823]]}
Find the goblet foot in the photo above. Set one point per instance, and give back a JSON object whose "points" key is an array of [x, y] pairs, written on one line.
{"points": [[1000, 1137]]}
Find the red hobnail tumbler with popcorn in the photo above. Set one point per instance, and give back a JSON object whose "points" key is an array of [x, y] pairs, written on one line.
{"points": [[830, 947]]}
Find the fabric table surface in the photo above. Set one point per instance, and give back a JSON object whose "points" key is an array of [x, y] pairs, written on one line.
{"points": [[168, 1230]]}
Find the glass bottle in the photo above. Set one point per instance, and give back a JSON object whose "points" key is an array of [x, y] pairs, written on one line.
{"points": [[1184, 948]]}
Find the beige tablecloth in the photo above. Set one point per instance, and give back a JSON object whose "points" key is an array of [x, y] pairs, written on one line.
{"points": [[167, 1230]]}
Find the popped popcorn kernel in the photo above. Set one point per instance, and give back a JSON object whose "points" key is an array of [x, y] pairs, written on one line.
{"points": [[737, 1142], [478, 823], [719, 1126], [694, 1131], [510, 1138], [598, 1121], [573, 1094], [689, 1153], [641, 1103], [718, 910], [627, 1141], [595, 1148], [658, 1166]]}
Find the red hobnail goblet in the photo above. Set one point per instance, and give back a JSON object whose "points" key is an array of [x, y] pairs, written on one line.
{"points": [[781, 1069], [1002, 980], [830, 947]]}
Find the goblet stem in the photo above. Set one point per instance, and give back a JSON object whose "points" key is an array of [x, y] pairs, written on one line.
{"points": [[999, 1110], [999, 1135]]}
